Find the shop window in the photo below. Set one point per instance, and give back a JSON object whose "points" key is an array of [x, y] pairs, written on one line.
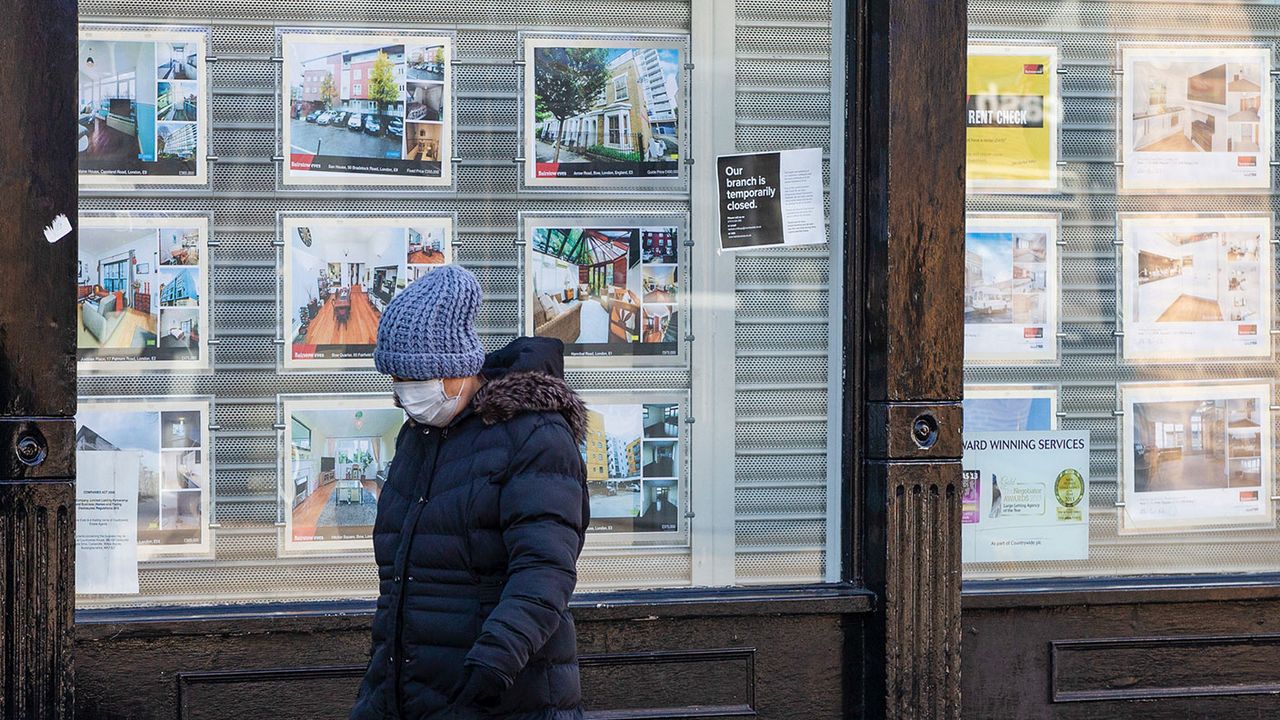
{"points": [[1119, 292], [244, 224]]}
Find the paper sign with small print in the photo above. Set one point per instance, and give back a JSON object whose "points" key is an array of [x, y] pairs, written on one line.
{"points": [[771, 199]]}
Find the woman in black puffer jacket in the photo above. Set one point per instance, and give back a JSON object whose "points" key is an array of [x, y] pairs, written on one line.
{"points": [[480, 523]]}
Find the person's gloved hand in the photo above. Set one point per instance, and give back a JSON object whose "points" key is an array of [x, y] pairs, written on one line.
{"points": [[478, 687]]}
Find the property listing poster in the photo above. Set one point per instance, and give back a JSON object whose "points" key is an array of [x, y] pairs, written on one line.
{"points": [[1008, 408], [1010, 289], [1196, 118], [339, 275], [143, 107], [142, 293], [635, 460], [163, 442], [337, 453], [604, 111], [1195, 456], [1012, 118], [1196, 287], [609, 288], [366, 109], [1025, 496], [107, 524]]}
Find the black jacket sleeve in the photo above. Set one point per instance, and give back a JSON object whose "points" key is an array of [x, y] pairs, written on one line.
{"points": [[541, 513]]}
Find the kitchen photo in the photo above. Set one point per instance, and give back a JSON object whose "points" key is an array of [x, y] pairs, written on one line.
{"points": [[1197, 445], [338, 458], [1197, 277], [589, 289], [1196, 105]]}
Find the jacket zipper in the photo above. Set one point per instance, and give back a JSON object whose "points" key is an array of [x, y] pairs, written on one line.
{"points": [[402, 578]]}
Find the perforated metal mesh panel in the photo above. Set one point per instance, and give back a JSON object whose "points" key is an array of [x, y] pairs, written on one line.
{"points": [[1088, 35], [783, 100]]}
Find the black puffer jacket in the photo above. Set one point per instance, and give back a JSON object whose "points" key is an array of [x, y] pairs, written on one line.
{"points": [[477, 537]]}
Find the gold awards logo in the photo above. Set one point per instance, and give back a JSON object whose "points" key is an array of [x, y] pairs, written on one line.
{"points": [[1069, 490]]}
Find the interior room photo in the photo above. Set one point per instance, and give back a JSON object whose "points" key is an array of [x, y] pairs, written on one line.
{"points": [[659, 459], [1196, 106], [426, 246], [177, 61], [117, 112], [661, 421], [180, 429], [179, 246], [426, 101], [1191, 277], [115, 306], [422, 141], [340, 459], [587, 287], [1196, 445], [342, 279], [179, 334]]}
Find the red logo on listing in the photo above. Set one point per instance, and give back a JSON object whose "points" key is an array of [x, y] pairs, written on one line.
{"points": [[1248, 496], [1246, 329], [1033, 69], [1247, 161], [1032, 333]]}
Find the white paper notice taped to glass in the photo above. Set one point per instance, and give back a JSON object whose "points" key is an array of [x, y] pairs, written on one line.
{"points": [[771, 199], [107, 522], [1025, 496]]}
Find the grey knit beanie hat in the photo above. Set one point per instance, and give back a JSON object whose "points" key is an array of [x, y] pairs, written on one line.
{"points": [[428, 331]]}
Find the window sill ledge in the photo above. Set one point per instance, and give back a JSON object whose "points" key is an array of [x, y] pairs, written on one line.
{"points": [[1051, 592]]}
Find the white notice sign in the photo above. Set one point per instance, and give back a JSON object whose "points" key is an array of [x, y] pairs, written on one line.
{"points": [[1025, 496], [771, 199], [107, 522]]}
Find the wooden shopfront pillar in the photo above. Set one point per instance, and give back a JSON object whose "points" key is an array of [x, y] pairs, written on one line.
{"points": [[907, 153], [37, 356]]}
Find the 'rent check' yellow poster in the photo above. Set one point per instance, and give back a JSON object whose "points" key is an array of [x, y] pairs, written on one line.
{"points": [[1012, 119]]}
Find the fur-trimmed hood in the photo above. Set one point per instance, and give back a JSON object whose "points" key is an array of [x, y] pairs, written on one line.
{"points": [[527, 376], [513, 393]]}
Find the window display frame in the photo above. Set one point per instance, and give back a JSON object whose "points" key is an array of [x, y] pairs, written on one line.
{"points": [[204, 405], [133, 32], [287, 406], [641, 541], [1052, 116], [1129, 395], [1127, 224], [1162, 182], [529, 41], [530, 221], [1001, 222], [285, 264], [157, 221], [325, 182]]}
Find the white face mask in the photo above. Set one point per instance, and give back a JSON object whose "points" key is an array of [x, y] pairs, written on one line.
{"points": [[426, 401]]}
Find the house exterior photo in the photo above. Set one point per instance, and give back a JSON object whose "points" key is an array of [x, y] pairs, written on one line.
{"points": [[635, 105]]}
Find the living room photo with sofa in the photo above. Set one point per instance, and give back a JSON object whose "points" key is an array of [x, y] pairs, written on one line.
{"points": [[605, 290], [141, 293]]}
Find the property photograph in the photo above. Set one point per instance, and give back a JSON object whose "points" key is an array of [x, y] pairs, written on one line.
{"points": [[179, 246], [998, 414], [426, 101], [180, 429], [338, 463], [177, 142], [181, 470], [1197, 276], [1006, 276], [426, 246], [116, 288], [1196, 105], [662, 421], [659, 459], [349, 101], [659, 511], [117, 112], [177, 61], [590, 290], [612, 451], [426, 62], [179, 287], [133, 433], [1197, 445], [179, 334], [596, 107], [176, 102], [341, 275], [659, 246]]}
